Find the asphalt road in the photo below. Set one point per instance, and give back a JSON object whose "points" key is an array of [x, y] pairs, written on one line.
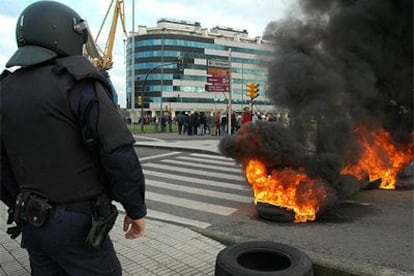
{"points": [[371, 233], [375, 231]]}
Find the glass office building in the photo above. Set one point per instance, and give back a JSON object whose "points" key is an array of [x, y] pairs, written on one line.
{"points": [[157, 83]]}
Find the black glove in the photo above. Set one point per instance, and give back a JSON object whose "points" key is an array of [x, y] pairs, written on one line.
{"points": [[13, 231]]}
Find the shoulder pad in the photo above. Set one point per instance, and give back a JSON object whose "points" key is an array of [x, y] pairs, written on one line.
{"points": [[80, 68], [5, 74], [77, 66]]}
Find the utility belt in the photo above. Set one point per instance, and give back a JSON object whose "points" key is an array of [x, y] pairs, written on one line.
{"points": [[35, 209]]}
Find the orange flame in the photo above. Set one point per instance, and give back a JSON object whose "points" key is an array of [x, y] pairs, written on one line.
{"points": [[380, 158], [287, 188]]}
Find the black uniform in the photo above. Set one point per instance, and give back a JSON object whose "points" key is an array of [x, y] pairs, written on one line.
{"points": [[63, 138]]}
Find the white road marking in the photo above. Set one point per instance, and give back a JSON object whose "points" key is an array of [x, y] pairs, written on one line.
{"points": [[198, 180], [198, 191], [190, 204], [202, 166], [202, 173], [158, 156]]}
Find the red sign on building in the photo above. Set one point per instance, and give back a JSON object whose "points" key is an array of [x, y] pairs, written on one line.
{"points": [[217, 88], [218, 80]]}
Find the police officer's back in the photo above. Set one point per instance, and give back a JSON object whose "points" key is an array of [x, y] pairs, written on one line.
{"points": [[66, 152]]}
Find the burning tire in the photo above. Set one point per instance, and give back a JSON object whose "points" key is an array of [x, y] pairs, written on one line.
{"points": [[260, 258], [273, 213]]}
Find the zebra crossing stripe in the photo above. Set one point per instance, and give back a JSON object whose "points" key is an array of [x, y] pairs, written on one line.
{"points": [[211, 156], [158, 156], [202, 166], [198, 191], [202, 173], [198, 180], [165, 216], [190, 204], [210, 161], [168, 217]]}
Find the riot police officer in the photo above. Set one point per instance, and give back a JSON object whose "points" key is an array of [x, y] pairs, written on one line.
{"points": [[65, 150]]}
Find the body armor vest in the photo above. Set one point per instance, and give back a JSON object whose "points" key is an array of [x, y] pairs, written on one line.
{"points": [[41, 135]]}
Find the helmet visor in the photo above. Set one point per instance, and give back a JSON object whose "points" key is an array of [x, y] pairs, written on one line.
{"points": [[30, 55]]}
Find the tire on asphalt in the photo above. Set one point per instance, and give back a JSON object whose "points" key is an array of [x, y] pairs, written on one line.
{"points": [[262, 258], [273, 213]]}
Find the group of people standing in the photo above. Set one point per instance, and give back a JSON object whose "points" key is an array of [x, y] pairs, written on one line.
{"points": [[215, 123], [194, 123]]}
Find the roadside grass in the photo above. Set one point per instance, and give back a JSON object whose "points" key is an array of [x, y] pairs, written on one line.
{"points": [[136, 128]]}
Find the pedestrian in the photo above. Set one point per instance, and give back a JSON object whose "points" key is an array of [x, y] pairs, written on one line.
{"points": [[223, 124], [59, 184], [186, 122], [169, 122], [233, 122], [209, 123], [191, 124], [180, 122], [247, 115], [202, 124], [217, 124]]}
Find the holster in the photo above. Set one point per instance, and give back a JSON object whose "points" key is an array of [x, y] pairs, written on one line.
{"points": [[103, 219], [32, 208]]}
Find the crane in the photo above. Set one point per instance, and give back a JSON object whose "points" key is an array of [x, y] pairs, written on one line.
{"points": [[103, 59]]}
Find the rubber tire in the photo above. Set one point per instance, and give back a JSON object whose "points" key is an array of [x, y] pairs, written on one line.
{"points": [[273, 213], [262, 258]]}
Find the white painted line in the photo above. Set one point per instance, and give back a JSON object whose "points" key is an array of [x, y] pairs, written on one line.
{"points": [[148, 138], [243, 186], [211, 156], [190, 204], [164, 216], [210, 161], [197, 191], [200, 172], [203, 166], [158, 156], [168, 217]]}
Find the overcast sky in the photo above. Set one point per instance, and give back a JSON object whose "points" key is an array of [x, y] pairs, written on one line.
{"points": [[252, 15]]}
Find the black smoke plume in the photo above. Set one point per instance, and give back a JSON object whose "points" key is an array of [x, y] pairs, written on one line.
{"points": [[336, 63], [346, 61]]}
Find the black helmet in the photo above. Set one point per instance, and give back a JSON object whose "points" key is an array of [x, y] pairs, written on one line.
{"points": [[45, 30]]}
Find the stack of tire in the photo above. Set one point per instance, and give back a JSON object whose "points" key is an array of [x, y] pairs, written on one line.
{"points": [[262, 258]]}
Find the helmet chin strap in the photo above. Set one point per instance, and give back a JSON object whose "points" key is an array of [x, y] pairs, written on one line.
{"points": [[81, 28]]}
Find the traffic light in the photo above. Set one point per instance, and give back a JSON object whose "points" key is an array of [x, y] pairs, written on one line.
{"points": [[252, 90], [180, 65], [139, 101]]}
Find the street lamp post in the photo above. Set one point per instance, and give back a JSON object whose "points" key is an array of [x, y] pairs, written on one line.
{"points": [[230, 109], [242, 87], [133, 64], [143, 89], [162, 79]]}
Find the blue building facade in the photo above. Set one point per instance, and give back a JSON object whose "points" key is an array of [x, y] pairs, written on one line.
{"points": [[156, 83]]}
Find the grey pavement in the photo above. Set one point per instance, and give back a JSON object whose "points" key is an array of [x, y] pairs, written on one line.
{"points": [[166, 249]]}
